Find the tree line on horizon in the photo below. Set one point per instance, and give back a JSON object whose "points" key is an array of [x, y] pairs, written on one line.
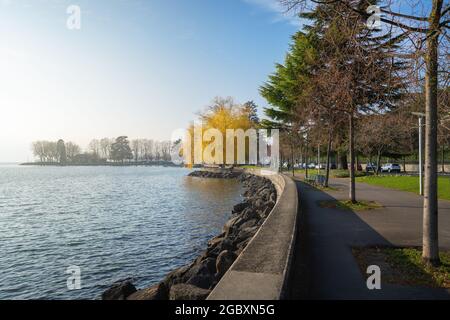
{"points": [[118, 150]]}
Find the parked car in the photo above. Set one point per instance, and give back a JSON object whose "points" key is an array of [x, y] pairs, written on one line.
{"points": [[324, 166], [321, 166], [371, 167], [391, 167]]}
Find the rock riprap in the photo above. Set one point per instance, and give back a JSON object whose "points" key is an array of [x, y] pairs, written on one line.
{"points": [[196, 280], [223, 174]]}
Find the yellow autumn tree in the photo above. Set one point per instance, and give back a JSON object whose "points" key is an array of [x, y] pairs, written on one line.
{"points": [[223, 114]]}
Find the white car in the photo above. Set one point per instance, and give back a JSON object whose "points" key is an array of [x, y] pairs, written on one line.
{"points": [[391, 167]]}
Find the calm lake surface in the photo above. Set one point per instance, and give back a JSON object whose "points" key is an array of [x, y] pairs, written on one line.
{"points": [[112, 222]]}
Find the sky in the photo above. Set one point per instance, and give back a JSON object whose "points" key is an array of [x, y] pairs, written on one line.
{"points": [[140, 68]]}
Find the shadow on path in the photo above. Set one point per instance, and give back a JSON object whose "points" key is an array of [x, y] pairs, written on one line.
{"points": [[324, 266]]}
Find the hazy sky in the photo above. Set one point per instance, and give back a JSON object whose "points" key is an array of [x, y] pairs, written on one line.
{"points": [[140, 68]]}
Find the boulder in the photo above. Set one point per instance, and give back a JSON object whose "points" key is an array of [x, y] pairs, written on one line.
{"points": [[240, 207], [246, 233], [188, 292], [227, 244], [224, 262], [249, 224], [259, 203], [249, 214], [229, 224], [273, 197], [215, 241], [201, 273], [119, 290], [214, 251], [176, 276], [263, 192], [204, 281], [208, 265], [156, 292], [214, 245]]}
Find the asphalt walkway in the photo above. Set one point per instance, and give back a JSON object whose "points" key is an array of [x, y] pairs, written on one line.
{"points": [[324, 266]]}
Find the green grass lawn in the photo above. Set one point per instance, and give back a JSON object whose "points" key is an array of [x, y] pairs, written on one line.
{"points": [[407, 183], [405, 266]]}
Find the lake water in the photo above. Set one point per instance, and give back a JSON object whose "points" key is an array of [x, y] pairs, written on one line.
{"points": [[111, 222]]}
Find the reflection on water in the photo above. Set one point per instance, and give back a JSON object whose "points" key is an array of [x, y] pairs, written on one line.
{"points": [[113, 223], [215, 190]]}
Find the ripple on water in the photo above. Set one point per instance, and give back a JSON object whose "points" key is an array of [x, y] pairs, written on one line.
{"points": [[113, 223]]}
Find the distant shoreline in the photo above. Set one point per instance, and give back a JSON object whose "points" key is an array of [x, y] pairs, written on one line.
{"points": [[103, 164]]}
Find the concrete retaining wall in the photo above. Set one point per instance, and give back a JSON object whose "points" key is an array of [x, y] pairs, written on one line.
{"points": [[261, 271]]}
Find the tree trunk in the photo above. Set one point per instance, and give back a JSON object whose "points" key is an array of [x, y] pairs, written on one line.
{"points": [[352, 193], [306, 158], [344, 162], [443, 158], [430, 252], [292, 157], [377, 172], [404, 164], [338, 162], [301, 156], [327, 175]]}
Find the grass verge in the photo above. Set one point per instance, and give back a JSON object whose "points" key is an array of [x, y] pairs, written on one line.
{"points": [[333, 173], [349, 206], [404, 266], [407, 183]]}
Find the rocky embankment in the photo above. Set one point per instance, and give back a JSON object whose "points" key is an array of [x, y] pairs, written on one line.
{"points": [[196, 280], [226, 174]]}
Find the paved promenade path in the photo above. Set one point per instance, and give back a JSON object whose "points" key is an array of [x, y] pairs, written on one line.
{"points": [[324, 267]]}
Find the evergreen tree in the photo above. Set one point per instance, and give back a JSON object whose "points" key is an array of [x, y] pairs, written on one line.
{"points": [[338, 70], [120, 150], [61, 151]]}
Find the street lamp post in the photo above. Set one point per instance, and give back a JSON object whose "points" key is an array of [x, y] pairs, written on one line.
{"points": [[420, 156], [421, 117]]}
